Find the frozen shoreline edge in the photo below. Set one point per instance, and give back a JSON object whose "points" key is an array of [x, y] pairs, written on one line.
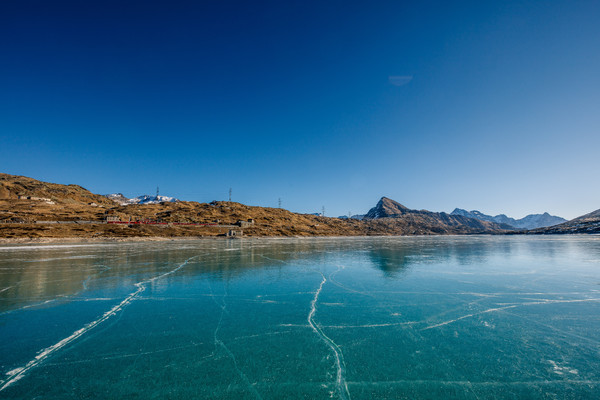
{"points": [[133, 239]]}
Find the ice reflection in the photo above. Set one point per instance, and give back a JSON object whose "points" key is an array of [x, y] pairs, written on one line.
{"points": [[392, 261]]}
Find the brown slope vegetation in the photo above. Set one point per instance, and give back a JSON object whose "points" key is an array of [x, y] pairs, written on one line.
{"points": [[72, 203], [12, 210], [13, 186]]}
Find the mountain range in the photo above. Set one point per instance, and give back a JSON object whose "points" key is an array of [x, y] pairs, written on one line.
{"points": [[588, 223], [531, 221], [31, 208], [389, 209]]}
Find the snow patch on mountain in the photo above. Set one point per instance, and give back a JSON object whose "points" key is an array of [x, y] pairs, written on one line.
{"points": [[143, 199], [355, 216]]}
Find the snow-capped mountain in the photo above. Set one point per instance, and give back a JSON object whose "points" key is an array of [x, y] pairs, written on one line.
{"points": [[355, 216], [143, 199], [147, 199], [532, 221], [118, 198]]}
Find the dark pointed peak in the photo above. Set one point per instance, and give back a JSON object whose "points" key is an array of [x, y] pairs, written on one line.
{"points": [[385, 208]]}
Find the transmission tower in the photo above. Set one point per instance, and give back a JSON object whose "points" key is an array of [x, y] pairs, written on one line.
{"points": [[279, 202], [157, 192], [229, 194], [323, 211]]}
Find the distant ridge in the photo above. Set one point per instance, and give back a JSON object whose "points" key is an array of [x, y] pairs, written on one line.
{"points": [[531, 221], [588, 223], [143, 199], [355, 216]]}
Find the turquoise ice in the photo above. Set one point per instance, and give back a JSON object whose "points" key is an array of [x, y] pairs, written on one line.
{"points": [[477, 317]]}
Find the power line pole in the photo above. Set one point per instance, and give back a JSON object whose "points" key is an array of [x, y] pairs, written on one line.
{"points": [[229, 194]]}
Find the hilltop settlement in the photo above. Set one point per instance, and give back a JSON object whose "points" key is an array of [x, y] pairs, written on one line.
{"points": [[34, 209]]}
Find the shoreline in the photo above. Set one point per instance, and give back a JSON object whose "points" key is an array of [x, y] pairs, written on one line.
{"points": [[133, 239], [66, 240], [142, 239]]}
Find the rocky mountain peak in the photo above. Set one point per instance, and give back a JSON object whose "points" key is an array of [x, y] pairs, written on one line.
{"points": [[386, 208]]}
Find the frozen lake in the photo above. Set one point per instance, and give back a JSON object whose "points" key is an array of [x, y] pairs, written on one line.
{"points": [[361, 318]]}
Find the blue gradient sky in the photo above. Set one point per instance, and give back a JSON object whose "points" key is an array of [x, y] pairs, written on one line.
{"points": [[486, 105]]}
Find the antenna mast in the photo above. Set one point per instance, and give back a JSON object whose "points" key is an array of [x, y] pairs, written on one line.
{"points": [[230, 194]]}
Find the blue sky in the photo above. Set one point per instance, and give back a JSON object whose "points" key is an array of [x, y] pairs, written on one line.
{"points": [[479, 105]]}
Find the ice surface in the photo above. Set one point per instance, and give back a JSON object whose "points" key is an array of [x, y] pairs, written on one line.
{"points": [[428, 317]]}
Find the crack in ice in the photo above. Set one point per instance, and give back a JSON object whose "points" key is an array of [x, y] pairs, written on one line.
{"points": [[467, 316], [469, 383], [18, 373], [506, 308], [121, 356], [370, 325], [341, 384], [220, 343]]}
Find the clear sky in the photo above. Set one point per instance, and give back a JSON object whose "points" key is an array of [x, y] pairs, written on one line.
{"points": [[481, 105]]}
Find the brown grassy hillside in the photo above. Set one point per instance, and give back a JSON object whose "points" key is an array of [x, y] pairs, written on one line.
{"points": [[13, 186]]}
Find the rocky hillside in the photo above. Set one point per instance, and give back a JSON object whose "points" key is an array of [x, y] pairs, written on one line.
{"points": [[588, 223], [14, 186], [20, 217], [531, 221]]}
